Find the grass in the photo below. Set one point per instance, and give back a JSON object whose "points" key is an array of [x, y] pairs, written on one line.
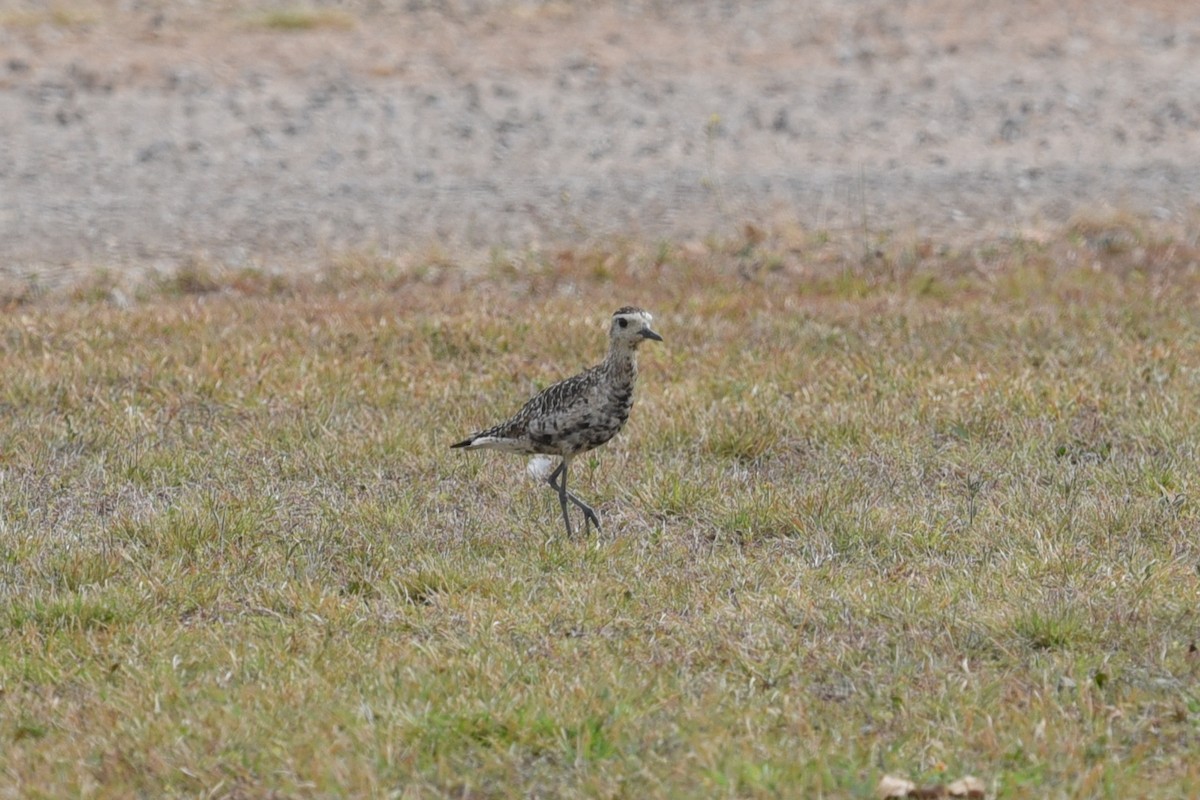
{"points": [[856, 526], [302, 19], [57, 15]]}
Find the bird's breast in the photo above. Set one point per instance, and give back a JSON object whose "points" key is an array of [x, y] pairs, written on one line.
{"points": [[618, 404]]}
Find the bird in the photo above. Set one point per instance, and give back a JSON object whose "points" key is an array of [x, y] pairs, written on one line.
{"points": [[577, 414]]}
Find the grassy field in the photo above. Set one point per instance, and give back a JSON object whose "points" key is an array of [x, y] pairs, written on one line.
{"points": [[896, 508]]}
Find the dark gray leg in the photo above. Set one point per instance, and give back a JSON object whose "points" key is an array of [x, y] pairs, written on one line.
{"points": [[589, 516], [562, 492]]}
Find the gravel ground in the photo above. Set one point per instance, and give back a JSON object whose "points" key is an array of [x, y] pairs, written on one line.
{"points": [[137, 135]]}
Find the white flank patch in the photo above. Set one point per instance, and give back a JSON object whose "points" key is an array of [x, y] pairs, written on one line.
{"points": [[540, 467]]}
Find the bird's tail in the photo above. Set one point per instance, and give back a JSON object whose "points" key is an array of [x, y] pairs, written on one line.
{"points": [[481, 441]]}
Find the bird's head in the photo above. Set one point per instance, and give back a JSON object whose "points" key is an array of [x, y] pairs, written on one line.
{"points": [[630, 327]]}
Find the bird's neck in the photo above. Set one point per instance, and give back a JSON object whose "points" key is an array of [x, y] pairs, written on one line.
{"points": [[622, 363]]}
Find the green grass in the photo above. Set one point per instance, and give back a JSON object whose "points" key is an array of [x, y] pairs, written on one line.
{"points": [[302, 19], [68, 15], [856, 526]]}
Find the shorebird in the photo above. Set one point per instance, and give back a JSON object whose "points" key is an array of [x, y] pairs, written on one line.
{"points": [[577, 414]]}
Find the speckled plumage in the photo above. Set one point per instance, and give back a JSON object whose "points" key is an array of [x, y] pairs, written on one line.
{"points": [[577, 414]]}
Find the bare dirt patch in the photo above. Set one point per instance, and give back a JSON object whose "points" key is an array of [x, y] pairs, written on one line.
{"points": [[141, 135]]}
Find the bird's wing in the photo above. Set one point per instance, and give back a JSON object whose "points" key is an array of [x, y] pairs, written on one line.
{"points": [[560, 407]]}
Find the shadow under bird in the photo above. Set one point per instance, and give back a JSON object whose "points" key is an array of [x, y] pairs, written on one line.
{"points": [[577, 414]]}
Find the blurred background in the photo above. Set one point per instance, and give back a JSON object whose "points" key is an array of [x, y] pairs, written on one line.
{"points": [[139, 134]]}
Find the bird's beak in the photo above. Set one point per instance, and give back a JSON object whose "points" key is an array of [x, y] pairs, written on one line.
{"points": [[649, 334]]}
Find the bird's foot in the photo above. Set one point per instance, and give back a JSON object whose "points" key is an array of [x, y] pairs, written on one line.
{"points": [[589, 518]]}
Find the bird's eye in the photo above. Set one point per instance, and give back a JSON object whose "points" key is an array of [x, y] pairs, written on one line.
{"points": [[624, 323]]}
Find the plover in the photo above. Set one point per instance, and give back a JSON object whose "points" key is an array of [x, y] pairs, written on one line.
{"points": [[577, 414]]}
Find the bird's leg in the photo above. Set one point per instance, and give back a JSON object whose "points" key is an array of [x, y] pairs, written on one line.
{"points": [[589, 516], [562, 492]]}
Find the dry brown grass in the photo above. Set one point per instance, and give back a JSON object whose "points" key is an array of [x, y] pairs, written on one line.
{"points": [[920, 511]]}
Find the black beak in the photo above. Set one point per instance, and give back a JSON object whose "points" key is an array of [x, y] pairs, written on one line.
{"points": [[649, 334]]}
